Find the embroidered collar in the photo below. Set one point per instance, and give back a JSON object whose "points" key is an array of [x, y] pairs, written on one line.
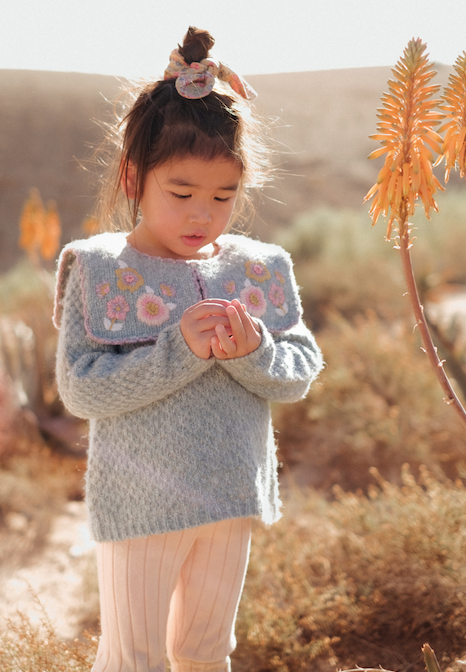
{"points": [[130, 296]]}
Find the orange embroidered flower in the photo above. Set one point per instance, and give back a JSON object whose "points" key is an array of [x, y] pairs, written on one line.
{"points": [[129, 279], [256, 270], [167, 290], [102, 289], [279, 277], [406, 133], [454, 106], [229, 287]]}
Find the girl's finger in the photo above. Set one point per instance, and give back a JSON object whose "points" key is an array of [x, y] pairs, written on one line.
{"points": [[217, 349], [210, 322], [206, 308], [237, 325], [228, 346]]}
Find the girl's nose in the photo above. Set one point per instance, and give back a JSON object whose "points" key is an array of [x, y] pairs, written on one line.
{"points": [[200, 214]]}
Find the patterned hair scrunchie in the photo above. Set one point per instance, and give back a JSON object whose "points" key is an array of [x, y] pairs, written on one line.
{"points": [[197, 79]]}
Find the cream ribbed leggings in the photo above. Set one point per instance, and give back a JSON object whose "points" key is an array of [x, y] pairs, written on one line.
{"points": [[177, 592]]}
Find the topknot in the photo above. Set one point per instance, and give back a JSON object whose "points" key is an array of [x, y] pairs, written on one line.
{"points": [[196, 45]]}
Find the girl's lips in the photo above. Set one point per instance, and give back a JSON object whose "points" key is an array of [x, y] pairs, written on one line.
{"points": [[193, 241]]}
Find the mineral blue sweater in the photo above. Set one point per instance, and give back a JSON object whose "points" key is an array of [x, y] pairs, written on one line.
{"points": [[176, 441]]}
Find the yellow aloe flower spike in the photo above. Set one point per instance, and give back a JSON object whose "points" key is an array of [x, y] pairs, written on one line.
{"points": [[32, 223], [405, 130], [454, 107], [52, 231]]}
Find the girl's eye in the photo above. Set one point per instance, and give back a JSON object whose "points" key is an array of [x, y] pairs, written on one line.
{"points": [[222, 200], [182, 196]]}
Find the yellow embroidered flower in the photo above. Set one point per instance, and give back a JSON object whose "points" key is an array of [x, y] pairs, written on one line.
{"points": [[129, 279], [256, 270], [454, 106], [406, 134]]}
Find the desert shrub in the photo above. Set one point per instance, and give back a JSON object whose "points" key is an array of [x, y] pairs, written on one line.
{"points": [[377, 403], [25, 646], [28, 338], [345, 265], [361, 580]]}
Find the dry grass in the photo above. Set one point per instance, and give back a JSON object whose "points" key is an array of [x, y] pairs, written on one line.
{"points": [[363, 580], [37, 648], [377, 403]]}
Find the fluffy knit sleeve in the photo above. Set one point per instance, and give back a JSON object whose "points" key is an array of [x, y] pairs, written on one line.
{"points": [[283, 366], [96, 381]]}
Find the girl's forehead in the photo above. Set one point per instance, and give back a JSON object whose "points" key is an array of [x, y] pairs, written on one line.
{"points": [[195, 172]]}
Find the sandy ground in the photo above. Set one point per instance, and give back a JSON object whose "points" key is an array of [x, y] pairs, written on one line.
{"points": [[63, 578]]}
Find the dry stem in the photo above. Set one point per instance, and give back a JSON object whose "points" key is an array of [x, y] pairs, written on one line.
{"points": [[421, 322]]}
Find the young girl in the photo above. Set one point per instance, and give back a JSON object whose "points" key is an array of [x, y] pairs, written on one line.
{"points": [[173, 341]]}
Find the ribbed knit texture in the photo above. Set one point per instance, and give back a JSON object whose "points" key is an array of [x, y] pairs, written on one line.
{"points": [[177, 441]]}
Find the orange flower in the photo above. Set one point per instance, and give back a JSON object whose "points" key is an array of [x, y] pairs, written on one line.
{"points": [[406, 133], [52, 230], [32, 223], [90, 226], [454, 106]]}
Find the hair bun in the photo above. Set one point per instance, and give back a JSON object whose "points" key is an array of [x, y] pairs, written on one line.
{"points": [[196, 45]]}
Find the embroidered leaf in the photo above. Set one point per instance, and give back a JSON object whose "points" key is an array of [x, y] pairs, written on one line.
{"points": [[149, 290], [117, 326], [282, 310], [171, 306], [122, 264], [107, 323]]}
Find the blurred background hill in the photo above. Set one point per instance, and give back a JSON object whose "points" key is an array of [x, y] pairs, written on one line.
{"points": [[49, 125]]}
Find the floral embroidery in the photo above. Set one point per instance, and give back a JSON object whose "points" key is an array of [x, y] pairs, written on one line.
{"points": [[277, 297], [152, 310], [279, 277], [256, 270], [102, 289], [167, 290], [254, 300], [116, 313], [128, 278], [229, 287]]}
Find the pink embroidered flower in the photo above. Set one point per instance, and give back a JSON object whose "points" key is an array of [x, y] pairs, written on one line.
{"points": [[117, 308], [152, 310], [128, 278], [279, 277], [256, 270], [229, 287], [254, 300], [167, 290], [102, 289], [276, 295]]}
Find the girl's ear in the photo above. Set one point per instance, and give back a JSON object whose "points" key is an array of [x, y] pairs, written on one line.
{"points": [[128, 180]]}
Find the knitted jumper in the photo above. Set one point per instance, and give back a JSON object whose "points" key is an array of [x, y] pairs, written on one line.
{"points": [[176, 441]]}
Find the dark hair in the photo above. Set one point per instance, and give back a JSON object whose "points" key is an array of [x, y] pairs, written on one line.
{"points": [[161, 125]]}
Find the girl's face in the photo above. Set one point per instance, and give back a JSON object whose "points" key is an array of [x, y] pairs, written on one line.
{"points": [[186, 205]]}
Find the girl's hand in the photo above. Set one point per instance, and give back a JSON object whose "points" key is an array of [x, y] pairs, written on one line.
{"points": [[243, 337], [198, 325]]}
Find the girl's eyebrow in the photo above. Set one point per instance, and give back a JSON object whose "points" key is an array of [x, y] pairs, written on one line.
{"points": [[180, 182]]}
